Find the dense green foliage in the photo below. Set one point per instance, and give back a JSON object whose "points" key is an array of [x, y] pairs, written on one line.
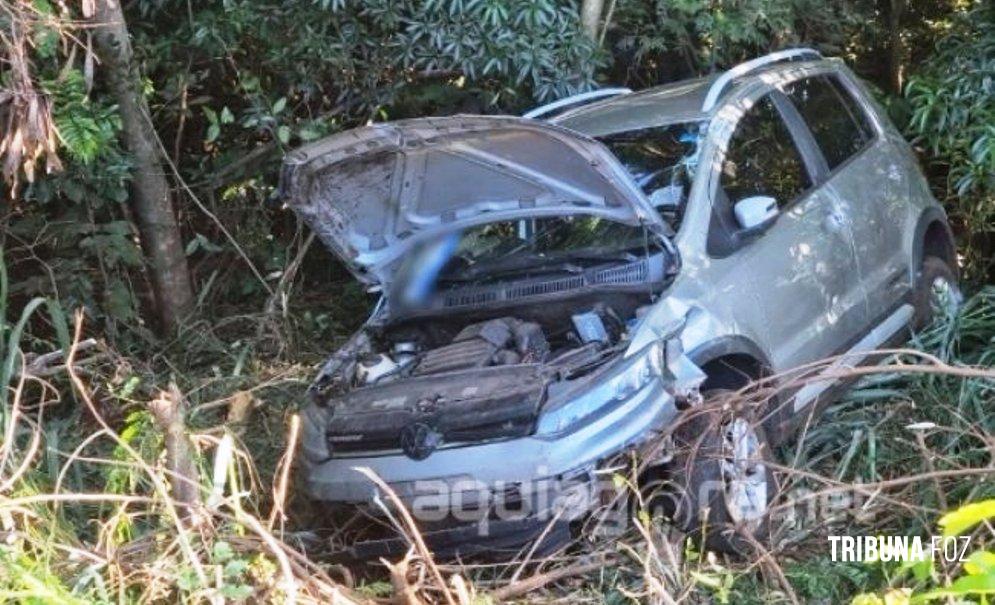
{"points": [[953, 115], [658, 40], [234, 84], [241, 72]]}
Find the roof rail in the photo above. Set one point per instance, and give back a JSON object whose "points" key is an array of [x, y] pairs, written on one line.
{"points": [[578, 99], [746, 67]]}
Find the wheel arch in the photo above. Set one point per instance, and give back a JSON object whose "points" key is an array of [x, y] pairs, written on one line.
{"points": [[933, 237], [727, 360]]}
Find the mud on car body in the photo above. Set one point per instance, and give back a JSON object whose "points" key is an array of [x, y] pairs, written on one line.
{"points": [[556, 292]]}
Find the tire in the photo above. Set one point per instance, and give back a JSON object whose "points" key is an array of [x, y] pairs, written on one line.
{"points": [[936, 287], [704, 499]]}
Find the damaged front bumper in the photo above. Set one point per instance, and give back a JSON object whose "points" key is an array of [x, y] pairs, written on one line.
{"points": [[548, 475]]}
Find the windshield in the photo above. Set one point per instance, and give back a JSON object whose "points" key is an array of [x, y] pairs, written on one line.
{"points": [[502, 249], [662, 160], [513, 245]]}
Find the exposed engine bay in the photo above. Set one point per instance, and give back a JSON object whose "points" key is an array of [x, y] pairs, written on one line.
{"points": [[496, 342], [469, 377]]}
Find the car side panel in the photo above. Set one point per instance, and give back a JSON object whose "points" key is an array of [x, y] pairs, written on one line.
{"points": [[796, 285], [873, 193], [873, 187], [728, 295], [918, 199], [804, 275]]}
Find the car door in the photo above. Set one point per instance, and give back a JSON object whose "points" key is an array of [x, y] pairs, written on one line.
{"points": [[864, 176], [801, 269]]}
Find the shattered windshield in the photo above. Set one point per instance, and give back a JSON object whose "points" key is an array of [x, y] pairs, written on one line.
{"points": [[662, 161]]}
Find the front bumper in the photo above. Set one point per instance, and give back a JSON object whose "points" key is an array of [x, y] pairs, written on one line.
{"points": [[494, 497], [491, 467]]}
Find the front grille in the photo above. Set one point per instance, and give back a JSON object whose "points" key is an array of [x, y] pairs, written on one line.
{"points": [[382, 445], [628, 274], [482, 404], [471, 298]]}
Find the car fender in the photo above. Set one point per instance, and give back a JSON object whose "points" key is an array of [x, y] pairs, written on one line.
{"points": [[703, 335], [733, 344], [927, 217]]}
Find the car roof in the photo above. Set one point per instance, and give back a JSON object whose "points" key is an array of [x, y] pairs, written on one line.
{"points": [[671, 103]]}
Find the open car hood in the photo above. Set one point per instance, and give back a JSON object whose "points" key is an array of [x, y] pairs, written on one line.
{"points": [[371, 193]]}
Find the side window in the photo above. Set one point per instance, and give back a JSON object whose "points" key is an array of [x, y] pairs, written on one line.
{"points": [[762, 158], [838, 123]]}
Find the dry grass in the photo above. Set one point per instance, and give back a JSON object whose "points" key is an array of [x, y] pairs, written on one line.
{"points": [[143, 509]]}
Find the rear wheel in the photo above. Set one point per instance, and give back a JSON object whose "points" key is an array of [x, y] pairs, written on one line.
{"points": [[724, 481], [936, 292]]}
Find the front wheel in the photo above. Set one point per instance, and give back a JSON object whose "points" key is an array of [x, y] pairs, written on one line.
{"points": [[723, 475]]}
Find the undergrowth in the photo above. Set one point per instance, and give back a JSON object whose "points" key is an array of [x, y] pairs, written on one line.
{"points": [[94, 507]]}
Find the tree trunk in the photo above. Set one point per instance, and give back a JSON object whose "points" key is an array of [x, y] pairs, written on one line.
{"points": [[590, 16], [151, 198]]}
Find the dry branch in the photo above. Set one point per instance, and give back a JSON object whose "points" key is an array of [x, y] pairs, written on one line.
{"points": [[50, 364], [28, 134], [537, 581], [280, 489], [167, 413]]}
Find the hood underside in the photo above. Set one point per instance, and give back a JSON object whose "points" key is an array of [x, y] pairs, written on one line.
{"points": [[372, 193]]}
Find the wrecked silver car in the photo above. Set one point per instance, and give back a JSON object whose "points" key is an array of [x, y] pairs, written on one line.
{"points": [[556, 292]]}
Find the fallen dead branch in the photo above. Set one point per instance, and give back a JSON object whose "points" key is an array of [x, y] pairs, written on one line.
{"points": [[50, 364], [155, 478], [538, 581]]}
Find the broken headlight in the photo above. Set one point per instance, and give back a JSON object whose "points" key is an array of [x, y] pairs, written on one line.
{"points": [[627, 377]]}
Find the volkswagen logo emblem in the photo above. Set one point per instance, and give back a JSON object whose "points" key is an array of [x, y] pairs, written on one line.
{"points": [[419, 440]]}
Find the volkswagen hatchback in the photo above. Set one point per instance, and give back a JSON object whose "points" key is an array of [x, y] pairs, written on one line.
{"points": [[560, 289]]}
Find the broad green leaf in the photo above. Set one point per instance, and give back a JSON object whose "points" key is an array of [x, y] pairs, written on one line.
{"points": [[706, 579], [235, 568], [962, 586], [964, 518], [283, 133], [897, 596], [238, 592], [980, 563]]}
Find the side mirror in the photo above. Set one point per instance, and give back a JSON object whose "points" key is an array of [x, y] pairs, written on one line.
{"points": [[755, 212]]}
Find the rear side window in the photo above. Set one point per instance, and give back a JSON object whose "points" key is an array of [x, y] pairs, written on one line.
{"points": [[839, 125], [762, 158]]}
